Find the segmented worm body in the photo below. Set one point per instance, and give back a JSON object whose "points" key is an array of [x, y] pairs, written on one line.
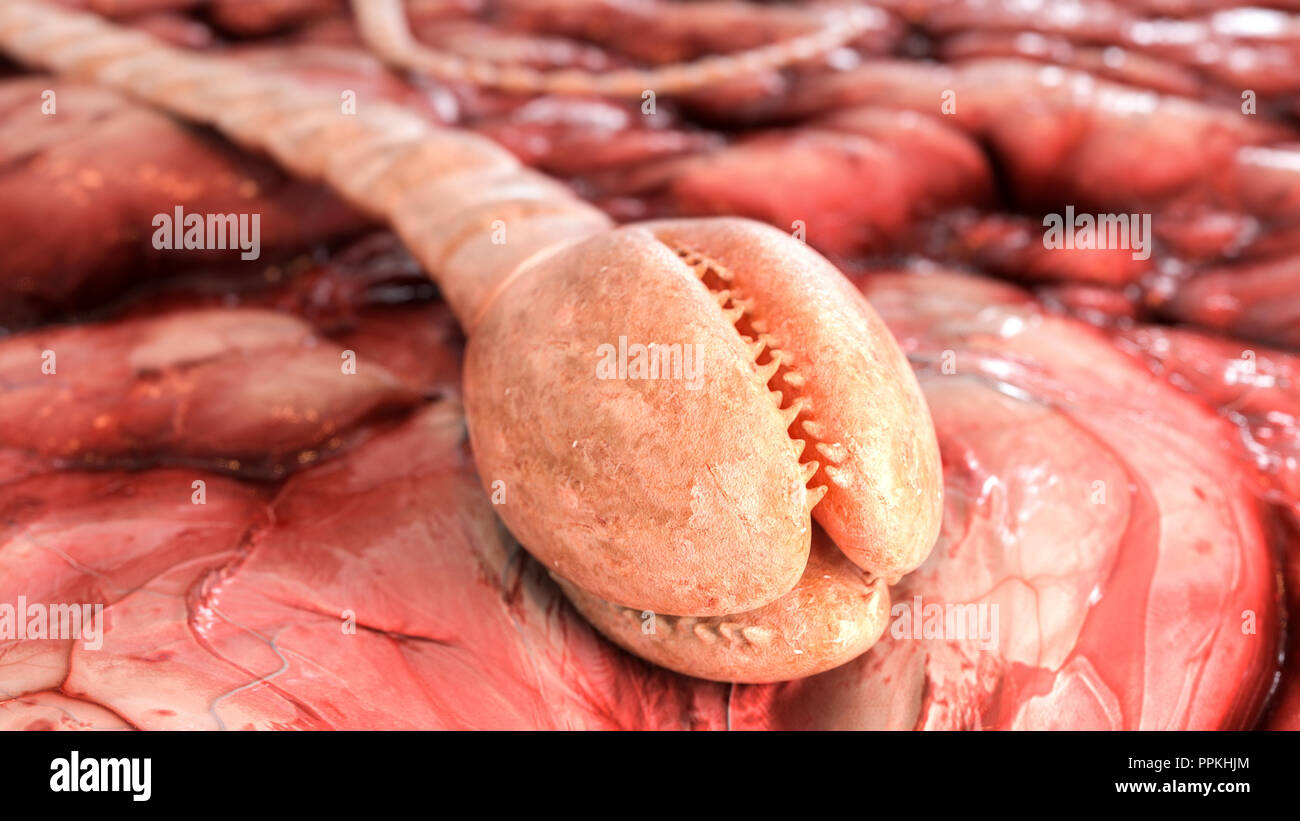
{"points": [[692, 499], [384, 29]]}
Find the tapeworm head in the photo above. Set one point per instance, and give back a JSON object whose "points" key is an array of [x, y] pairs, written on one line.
{"points": [[667, 403], [642, 454]]}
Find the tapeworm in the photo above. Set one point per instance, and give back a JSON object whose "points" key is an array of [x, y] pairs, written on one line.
{"points": [[384, 30], [441, 189]]}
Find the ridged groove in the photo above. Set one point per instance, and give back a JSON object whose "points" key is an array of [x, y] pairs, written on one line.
{"points": [[707, 630], [715, 629], [775, 367]]}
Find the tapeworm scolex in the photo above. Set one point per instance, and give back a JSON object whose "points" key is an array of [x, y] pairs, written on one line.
{"points": [[692, 499]]}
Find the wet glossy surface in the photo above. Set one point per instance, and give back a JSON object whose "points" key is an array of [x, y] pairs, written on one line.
{"points": [[1116, 495]]}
